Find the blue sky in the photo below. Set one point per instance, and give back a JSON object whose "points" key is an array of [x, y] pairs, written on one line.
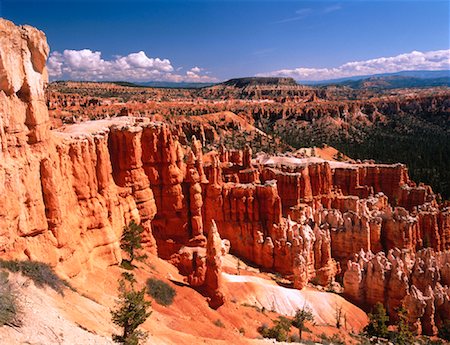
{"points": [[217, 40]]}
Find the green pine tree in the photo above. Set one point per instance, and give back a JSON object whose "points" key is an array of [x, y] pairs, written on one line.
{"points": [[130, 242], [403, 336], [132, 311], [378, 321]]}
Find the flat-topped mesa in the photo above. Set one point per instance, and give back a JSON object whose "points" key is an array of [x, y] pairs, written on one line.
{"points": [[392, 180], [255, 81]]}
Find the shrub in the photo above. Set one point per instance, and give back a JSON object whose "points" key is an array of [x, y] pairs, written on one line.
{"points": [[219, 323], [9, 308], [280, 330], [294, 339], [378, 319], [444, 330], [258, 309], [161, 292], [301, 316], [337, 340], [41, 274]]}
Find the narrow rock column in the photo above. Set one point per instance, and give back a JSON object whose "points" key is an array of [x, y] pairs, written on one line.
{"points": [[213, 278]]}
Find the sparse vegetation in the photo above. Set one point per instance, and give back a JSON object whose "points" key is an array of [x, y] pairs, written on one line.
{"points": [[258, 309], [132, 309], [335, 339], [161, 292], [403, 336], [300, 318], [41, 274], [338, 316], [131, 312], [444, 330], [219, 323], [280, 330], [9, 306]]}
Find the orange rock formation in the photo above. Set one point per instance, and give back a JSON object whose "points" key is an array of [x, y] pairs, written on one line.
{"points": [[418, 281]]}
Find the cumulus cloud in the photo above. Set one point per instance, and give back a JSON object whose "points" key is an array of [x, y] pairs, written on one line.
{"points": [[86, 64], [196, 69], [432, 60]]}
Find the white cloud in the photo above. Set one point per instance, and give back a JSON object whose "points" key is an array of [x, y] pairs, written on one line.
{"points": [[432, 60], [86, 64]]}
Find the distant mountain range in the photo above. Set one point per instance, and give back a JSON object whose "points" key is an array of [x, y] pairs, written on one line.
{"points": [[252, 81], [173, 85], [402, 79]]}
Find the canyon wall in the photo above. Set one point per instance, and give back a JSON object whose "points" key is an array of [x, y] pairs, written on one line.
{"points": [[67, 194], [60, 203]]}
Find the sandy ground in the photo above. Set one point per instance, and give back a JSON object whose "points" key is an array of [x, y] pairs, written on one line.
{"points": [[83, 317]]}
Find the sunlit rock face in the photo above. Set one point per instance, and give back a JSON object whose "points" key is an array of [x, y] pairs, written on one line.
{"points": [[63, 201]]}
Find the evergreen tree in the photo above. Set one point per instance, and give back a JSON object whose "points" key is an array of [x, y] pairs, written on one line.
{"points": [[131, 312], [131, 241], [132, 309], [403, 336], [378, 320]]}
